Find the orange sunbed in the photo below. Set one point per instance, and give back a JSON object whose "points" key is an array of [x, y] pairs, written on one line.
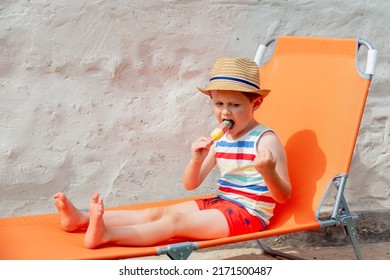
{"points": [[316, 105]]}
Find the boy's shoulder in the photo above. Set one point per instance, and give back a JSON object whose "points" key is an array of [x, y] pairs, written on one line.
{"points": [[259, 130]]}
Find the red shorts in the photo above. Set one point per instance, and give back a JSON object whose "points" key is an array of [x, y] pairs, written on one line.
{"points": [[240, 221]]}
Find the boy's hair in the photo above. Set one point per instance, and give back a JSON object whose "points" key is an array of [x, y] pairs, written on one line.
{"points": [[252, 96]]}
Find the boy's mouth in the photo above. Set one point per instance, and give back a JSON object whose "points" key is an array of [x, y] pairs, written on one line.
{"points": [[231, 121]]}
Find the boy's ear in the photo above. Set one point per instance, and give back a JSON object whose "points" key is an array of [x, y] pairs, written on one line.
{"points": [[257, 102]]}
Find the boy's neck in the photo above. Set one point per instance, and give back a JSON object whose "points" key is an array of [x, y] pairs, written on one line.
{"points": [[241, 133]]}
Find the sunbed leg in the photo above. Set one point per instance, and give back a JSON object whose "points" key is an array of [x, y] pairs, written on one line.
{"points": [[275, 253], [342, 216], [179, 251], [350, 230]]}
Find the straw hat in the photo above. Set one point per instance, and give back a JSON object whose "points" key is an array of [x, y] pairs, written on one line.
{"points": [[239, 74]]}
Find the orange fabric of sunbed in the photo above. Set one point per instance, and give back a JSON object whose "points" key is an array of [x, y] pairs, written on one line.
{"points": [[40, 237], [315, 106]]}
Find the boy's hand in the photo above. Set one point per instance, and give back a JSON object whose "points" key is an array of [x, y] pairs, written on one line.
{"points": [[200, 148], [265, 162]]}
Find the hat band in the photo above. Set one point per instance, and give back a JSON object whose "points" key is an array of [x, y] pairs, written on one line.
{"points": [[239, 80]]}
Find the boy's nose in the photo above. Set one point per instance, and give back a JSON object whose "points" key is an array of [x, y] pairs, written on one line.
{"points": [[225, 111]]}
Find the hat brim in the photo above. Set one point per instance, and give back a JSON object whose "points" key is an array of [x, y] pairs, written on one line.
{"points": [[262, 92]]}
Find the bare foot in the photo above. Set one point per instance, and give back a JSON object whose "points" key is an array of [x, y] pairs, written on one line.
{"points": [[96, 234], [71, 218]]}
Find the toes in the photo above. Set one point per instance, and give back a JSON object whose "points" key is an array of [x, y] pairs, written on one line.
{"points": [[100, 207], [61, 196], [95, 198]]}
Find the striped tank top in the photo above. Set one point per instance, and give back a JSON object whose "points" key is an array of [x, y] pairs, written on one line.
{"points": [[240, 182]]}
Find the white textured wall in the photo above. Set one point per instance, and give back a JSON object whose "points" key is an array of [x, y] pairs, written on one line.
{"points": [[100, 95]]}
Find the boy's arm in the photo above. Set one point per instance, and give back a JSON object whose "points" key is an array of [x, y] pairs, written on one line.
{"points": [[271, 163], [201, 163]]}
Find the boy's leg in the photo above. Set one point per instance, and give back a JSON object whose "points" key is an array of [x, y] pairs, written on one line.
{"points": [[119, 218], [192, 224], [73, 219]]}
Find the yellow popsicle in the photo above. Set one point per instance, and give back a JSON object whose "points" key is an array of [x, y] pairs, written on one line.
{"points": [[220, 130]]}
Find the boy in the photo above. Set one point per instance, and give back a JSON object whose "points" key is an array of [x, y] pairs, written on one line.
{"points": [[254, 176]]}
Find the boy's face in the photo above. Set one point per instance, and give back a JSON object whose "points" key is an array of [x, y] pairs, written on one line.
{"points": [[236, 107]]}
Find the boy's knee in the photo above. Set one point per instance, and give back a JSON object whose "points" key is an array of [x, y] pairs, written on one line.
{"points": [[154, 214], [175, 218]]}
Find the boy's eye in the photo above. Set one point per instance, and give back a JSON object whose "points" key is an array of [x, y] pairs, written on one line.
{"points": [[234, 105]]}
